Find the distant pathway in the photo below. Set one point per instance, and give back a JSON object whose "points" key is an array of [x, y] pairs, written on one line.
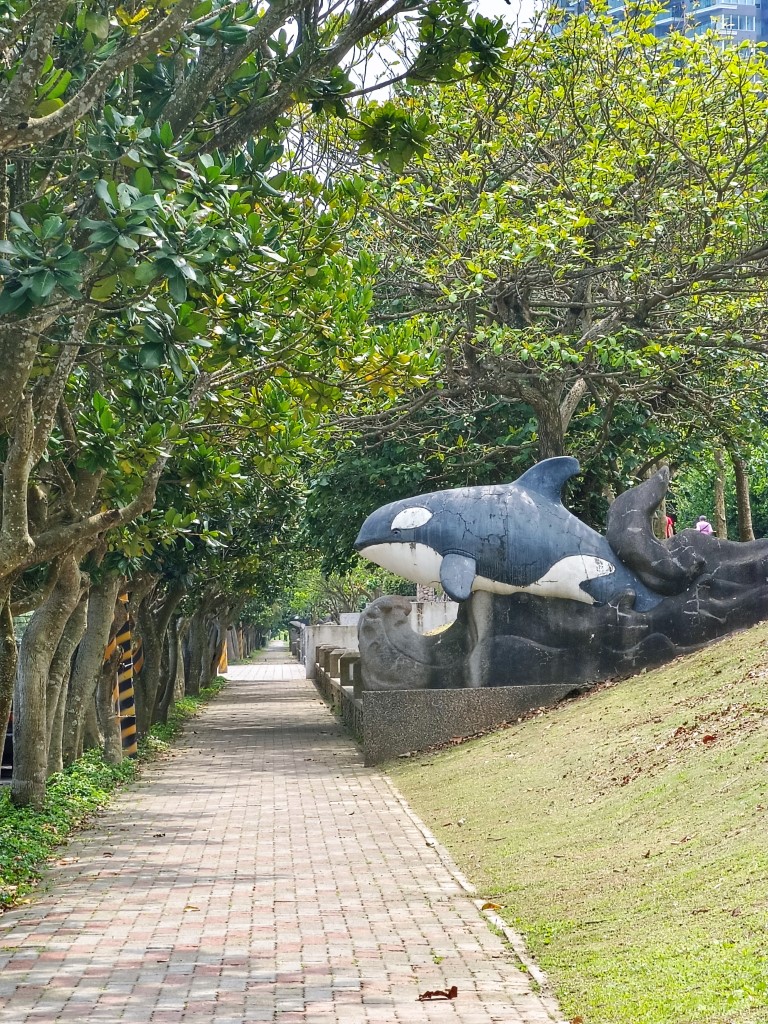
{"points": [[259, 874]]}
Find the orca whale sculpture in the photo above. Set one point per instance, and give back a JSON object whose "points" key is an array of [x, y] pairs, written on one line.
{"points": [[548, 606], [505, 539]]}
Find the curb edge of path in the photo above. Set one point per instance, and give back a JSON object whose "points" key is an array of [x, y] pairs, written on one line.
{"points": [[515, 940]]}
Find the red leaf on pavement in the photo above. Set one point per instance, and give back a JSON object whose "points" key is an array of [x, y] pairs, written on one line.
{"points": [[709, 738]]}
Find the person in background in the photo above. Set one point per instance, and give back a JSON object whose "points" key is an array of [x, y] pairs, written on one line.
{"points": [[704, 526], [669, 528]]}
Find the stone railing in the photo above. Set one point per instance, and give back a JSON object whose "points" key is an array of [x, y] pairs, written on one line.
{"points": [[339, 680], [325, 634]]}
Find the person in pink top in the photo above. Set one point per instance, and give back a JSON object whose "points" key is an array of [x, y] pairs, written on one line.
{"points": [[704, 526]]}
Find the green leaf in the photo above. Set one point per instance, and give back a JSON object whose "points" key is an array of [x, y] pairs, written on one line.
{"points": [[103, 191], [20, 223], [105, 288], [145, 273], [106, 234], [51, 227], [271, 254], [71, 284], [97, 24], [396, 161], [177, 286], [166, 134], [173, 358], [12, 298], [152, 356], [41, 285], [131, 158], [233, 34], [48, 107], [142, 179], [56, 84]]}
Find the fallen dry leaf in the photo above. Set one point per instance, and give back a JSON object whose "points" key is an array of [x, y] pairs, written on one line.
{"points": [[490, 906], [439, 993]]}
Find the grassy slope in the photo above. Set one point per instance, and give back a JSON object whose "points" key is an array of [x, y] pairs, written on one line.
{"points": [[625, 834]]}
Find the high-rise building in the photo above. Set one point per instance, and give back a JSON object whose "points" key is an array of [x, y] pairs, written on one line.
{"points": [[733, 22]]}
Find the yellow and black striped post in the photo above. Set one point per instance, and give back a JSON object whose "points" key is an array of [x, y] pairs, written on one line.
{"points": [[129, 665]]}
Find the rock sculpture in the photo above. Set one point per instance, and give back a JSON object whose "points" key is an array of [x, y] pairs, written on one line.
{"points": [[544, 598]]}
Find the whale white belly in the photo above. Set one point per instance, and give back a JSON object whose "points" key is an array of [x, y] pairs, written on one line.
{"points": [[421, 564], [418, 563], [563, 579]]}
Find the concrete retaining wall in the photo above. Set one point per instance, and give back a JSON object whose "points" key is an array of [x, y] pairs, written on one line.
{"points": [[399, 721]]}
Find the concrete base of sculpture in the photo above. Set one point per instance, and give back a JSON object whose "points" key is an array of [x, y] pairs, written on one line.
{"points": [[522, 640], [400, 721]]}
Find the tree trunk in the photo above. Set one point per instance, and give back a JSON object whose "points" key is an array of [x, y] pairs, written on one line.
{"points": [[173, 685], [88, 664], [721, 526], [38, 647], [171, 669], [107, 711], [56, 747], [93, 737], [550, 430], [153, 626], [58, 683], [197, 644], [233, 644], [8, 658], [181, 627], [743, 503], [218, 643]]}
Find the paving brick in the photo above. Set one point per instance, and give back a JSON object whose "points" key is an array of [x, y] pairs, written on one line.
{"points": [[260, 874]]}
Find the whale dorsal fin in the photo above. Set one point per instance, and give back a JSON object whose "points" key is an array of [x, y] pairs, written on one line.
{"points": [[548, 477]]}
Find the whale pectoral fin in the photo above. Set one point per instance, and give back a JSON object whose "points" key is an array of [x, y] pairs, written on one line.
{"points": [[457, 574]]}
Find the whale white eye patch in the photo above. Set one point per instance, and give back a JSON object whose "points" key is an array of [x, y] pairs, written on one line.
{"points": [[411, 517]]}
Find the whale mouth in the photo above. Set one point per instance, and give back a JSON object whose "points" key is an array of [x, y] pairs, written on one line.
{"points": [[418, 563]]}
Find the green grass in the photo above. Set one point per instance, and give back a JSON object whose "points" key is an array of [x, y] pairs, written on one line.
{"points": [[625, 835], [28, 837]]}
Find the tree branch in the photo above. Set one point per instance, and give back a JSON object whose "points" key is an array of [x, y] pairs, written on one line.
{"points": [[15, 135], [15, 540], [21, 89], [47, 403]]}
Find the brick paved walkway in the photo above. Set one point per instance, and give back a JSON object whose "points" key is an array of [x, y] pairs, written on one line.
{"points": [[259, 874]]}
